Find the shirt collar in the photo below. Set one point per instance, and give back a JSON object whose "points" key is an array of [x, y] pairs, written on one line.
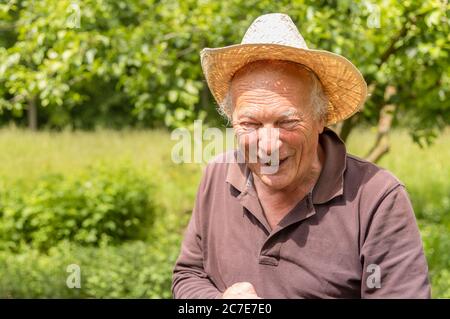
{"points": [[331, 180], [238, 174]]}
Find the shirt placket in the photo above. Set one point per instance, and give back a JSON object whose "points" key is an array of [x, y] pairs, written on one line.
{"points": [[270, 250]]}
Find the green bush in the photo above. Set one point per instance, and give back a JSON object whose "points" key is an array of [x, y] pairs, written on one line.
{"points": [[132, 270], [143, 269], [104, 203], [436, 239]]}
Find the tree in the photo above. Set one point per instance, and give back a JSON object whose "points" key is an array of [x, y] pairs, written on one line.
{"points": [[136, 62]]}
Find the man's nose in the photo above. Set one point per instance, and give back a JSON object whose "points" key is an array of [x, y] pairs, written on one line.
{"points": [[268, 141]]}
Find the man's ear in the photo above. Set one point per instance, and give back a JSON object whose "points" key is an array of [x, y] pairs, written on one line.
{"points": [[321, 125]]}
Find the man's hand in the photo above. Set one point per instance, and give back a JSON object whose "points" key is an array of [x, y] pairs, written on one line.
{"points": [[240, 290]]}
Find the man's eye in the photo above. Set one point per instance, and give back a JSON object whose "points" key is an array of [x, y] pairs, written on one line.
{"points": [[288, 122], [249, 124]]}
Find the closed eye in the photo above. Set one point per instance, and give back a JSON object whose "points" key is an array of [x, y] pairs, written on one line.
{"points": [[249, 124], [288, 122]]}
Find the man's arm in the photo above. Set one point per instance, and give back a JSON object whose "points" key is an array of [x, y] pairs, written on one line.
{"points": [[189, 277], [393, 249]]}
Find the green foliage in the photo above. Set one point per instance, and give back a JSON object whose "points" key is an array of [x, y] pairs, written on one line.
{"points": [[132, 270], [143, 268], [103, 204], [436, 239], [137, 62], [132, 162]]}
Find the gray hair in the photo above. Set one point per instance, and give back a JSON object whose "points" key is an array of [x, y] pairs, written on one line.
{"points": [[318, 98]]}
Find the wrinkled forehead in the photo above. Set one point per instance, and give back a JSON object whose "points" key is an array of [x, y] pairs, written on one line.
{"points": [[257, 111], [271, 74], [267, 85]]}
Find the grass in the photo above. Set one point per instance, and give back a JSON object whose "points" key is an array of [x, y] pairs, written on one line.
{"points": [[25, 156]]}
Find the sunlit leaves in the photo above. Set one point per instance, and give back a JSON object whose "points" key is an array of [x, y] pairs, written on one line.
{"points": [[145, 53]]}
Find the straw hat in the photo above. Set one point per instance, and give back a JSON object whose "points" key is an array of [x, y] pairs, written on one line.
{"points": [[275, 37]]}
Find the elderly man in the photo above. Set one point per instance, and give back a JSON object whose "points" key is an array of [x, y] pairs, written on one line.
{"points": [[322, 223]]}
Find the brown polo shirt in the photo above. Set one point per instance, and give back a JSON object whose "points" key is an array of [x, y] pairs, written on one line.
{"points": [[353, 236]]}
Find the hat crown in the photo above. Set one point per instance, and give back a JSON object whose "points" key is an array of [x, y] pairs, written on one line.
{"points": [[274, 28]]}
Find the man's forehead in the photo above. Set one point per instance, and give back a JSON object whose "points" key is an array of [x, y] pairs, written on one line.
{"points": [[269, 76], [282, 110], [271, 79]]}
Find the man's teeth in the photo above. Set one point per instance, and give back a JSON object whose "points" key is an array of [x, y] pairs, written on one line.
{"points": [[270, 163]]}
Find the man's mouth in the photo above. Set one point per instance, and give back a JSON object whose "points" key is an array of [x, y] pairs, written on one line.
{"points": [[281, 162]]}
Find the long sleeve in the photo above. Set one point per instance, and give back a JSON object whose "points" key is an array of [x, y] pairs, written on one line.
{"points": [[394, 265], [189, 277]]}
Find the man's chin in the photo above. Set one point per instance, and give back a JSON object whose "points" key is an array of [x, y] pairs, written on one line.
{"points": [[274, 181]]}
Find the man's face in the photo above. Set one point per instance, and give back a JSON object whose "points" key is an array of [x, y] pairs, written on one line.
{"points": [[272, 113]]}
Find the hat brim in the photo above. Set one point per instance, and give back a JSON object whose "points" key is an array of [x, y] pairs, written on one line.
{"points": [[343, 84]]}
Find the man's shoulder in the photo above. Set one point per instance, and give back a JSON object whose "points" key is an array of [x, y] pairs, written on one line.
{"points": [[369, 177], [217, 167], [227, 157]]}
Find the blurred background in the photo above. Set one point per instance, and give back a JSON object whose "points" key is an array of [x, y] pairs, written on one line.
{"points": [[90, 91]]}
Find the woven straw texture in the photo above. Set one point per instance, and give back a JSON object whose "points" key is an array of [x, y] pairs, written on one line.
{"points": [[275, 37]]}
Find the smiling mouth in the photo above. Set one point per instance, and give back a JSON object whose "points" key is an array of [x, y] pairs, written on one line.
{"points": [[279, 164]]}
